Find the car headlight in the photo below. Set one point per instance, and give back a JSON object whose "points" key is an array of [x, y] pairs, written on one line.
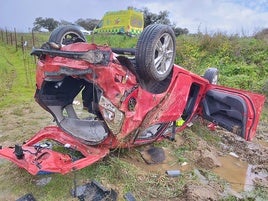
{"points": [[113, 117]]}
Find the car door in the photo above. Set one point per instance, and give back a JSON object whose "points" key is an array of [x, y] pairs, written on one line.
{"points": [[237, 111]]}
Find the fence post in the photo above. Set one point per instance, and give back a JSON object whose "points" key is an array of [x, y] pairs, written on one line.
{"points": [[11, 38], [2, 35], [33, 38], [6, 36], [22, 44], [16, 42]]}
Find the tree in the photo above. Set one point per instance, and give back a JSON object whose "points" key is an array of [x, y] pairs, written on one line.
{"points": [[161, 18], [263, 34], [46, 23], [88, 24], [152, 18], [64, 22], [179, 31]]}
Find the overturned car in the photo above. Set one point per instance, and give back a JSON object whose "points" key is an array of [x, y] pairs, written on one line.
{"points": [[132, 97]]}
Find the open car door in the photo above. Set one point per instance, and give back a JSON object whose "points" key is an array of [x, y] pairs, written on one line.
{"points": [[235, 110]]}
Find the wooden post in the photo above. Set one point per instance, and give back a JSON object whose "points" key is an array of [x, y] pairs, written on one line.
{"points": [[11, 38], [2, 35], [33, 44], [6, 36], [22, 44], [16, 42], [33, 38]]}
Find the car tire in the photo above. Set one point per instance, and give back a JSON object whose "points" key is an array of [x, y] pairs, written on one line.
{"points": [[155, 52], [212, 75], [65, 35]]}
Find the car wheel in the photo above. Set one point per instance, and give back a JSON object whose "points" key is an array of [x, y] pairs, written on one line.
{"points": [[155, 52], [65, 35], [212, 75]]}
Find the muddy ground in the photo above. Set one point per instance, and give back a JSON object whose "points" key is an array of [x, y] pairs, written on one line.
{"points": [[230, 158]]}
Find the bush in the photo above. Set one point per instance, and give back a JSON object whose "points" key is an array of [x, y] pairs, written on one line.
{"points": [[242, 62]]}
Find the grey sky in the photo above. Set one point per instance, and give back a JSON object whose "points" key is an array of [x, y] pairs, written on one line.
{"points": [[228, 16]]}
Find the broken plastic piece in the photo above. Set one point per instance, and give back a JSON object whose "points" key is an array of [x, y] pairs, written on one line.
{"points": [[18, 152], [212, 126], [27, 197], [47, 145], [94, 191], [173, 173], [233, 154], [190, 124], [129, 197]]}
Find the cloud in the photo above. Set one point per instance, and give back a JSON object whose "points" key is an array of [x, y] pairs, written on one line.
{"points": [[229, 16]]}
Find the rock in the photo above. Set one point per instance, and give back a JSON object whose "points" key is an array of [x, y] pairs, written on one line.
{"points": [[43, 181]]}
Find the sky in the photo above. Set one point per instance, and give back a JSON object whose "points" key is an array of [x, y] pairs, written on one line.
{"points": [[243, 17]]}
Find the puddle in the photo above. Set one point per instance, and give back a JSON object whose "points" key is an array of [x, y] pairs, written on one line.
{"points": [[239, 174], [234, 171]]}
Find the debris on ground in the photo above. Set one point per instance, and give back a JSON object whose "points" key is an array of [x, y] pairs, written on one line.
{"points": [[129, 197], [153, 155], [43, 181], [27, 197], [233, 154], [173, 173], [93, 191]]}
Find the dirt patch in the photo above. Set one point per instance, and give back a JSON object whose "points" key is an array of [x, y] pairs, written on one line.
{"points": [[208, 160], [21, 122], [254, 152], [195, 192]]}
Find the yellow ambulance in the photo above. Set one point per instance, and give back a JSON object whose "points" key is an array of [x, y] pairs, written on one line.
{"points": [[128, 22]]}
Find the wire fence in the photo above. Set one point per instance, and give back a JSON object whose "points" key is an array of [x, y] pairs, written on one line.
{"points": [[20, 44], [22, 41]]}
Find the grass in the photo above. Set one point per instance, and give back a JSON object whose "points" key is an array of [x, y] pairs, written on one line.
{"points": [[17, 84], [113, 172]]}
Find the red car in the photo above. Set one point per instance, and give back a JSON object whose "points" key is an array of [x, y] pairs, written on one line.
{"points": [[132, 96]]}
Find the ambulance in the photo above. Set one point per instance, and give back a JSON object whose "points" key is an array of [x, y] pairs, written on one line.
{"points": [[128, 22]]}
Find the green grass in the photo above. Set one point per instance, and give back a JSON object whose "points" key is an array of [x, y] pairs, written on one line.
{"points": [[17, 72], [242, 62]]}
